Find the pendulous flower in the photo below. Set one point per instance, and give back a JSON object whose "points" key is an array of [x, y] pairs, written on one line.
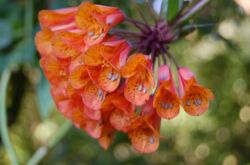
{"points": [[102, 78], [166, 100], [195, 98]]}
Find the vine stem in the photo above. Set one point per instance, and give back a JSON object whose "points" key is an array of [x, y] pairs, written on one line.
{"points": [[43, 150], [190, 12], [3, 117]]}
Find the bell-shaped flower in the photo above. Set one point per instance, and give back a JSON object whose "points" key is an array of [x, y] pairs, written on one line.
{"points": [[145, 137], [58, 20], [195, 98], [97, 20], [93, 96], [67, 45], [123, 113], [107, 135], [70, 107], [92, 113], [166, 101], [43, 40], [90, 19], [53, 70], [140, 82], [92, 127], [110, 56]]}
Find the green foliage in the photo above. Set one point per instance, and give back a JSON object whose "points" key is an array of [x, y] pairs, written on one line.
{"points": [[173, 7]]}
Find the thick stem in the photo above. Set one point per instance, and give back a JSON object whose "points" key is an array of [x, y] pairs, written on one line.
{"points": [[190, 12]]}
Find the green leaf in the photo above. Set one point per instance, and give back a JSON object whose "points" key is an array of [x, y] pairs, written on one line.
{"points": [[5, 33], [44, 98], [173, 8]]}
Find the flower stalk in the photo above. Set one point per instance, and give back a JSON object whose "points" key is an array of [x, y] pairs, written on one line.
{"points": [[188, 14]]}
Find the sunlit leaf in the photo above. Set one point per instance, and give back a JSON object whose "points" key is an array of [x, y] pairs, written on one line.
{"points": [[173, 8]]}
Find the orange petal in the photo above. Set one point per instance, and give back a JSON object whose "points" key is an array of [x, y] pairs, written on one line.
{"points": [[107, 104], [186, 78], [66, 107], [196, 99], [144, 140], [134, 63], [93, 56], [120, 102], [93, 96], [135, 122], [48, 18], [92, 114], [116, 51], [107, 136], [67, 45], [93, 128], [57, 94], [65, 104], [166, 102], [76, 62], [87, 19], [43, 42], [77, 117], [94, 73], [53, 70], [79, 77], [138, 89], [119, 120], [109, 79], [66, 88]]}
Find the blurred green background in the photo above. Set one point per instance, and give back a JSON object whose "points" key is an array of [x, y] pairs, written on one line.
{"points": [[218, 54]]}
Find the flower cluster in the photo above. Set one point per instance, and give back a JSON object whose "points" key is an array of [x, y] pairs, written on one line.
{"points": [[100, 87]]}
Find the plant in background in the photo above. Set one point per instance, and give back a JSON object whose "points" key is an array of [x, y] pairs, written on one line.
{"points": [[105, 79]]}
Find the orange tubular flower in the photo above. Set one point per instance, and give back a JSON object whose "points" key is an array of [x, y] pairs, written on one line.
{"points": [[43, 42], [106, 136], [123, 112], [93, 96], [110, 56], [57, 20], [195, 98], [67, 45], [70, 107], [53, 70], [145, 135], [166, 101], [140, 81], [88, 18], [100, 87], [97, 20]]}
